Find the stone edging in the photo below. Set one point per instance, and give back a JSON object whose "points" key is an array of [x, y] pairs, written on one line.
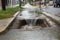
{"points": [[52, 17], [14, 16]]}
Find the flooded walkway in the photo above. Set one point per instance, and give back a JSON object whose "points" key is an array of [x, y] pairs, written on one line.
{"points": [[15, 32]]}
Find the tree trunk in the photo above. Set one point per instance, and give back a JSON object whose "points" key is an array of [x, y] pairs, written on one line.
{"points": [[3, 5], [20, 3]]}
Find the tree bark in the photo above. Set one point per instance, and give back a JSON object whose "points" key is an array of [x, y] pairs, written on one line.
{"points": [[3, 4], [20, 3]]}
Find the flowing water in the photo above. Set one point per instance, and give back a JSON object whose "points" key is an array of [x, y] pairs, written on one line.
{"points": [[29, 15]]}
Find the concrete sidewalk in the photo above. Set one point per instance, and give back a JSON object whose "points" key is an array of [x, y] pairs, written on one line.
{"points": [[4, 23], [51, 12], [53, 17]]}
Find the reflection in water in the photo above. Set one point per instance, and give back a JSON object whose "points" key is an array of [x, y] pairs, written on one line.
{"points": [[26, 14], [29, 13]]}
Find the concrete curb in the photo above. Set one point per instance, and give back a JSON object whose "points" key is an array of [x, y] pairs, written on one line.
{"points": [[52, 17], [14, 16]]}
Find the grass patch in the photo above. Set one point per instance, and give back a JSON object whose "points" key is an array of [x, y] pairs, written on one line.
{"points": [[8, 13], [39, 12]]}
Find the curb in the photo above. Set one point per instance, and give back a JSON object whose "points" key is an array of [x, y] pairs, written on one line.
{"points": [[53, 17], [14, 16]]}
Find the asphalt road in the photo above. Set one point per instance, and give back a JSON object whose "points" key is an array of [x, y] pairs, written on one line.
{"points": [[52, 10]]}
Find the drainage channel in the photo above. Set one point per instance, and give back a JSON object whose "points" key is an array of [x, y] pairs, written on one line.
{"points": [[39, 24]]}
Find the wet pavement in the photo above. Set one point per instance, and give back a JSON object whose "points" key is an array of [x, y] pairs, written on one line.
{"points": [[52, 10], [46, 24], [16, 34], [28, 14]]}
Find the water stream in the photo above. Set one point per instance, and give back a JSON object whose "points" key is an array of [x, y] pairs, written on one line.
{"points": [[29, 14]]}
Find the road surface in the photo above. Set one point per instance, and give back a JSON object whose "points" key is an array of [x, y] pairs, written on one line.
{"points": [[52, 10]]}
